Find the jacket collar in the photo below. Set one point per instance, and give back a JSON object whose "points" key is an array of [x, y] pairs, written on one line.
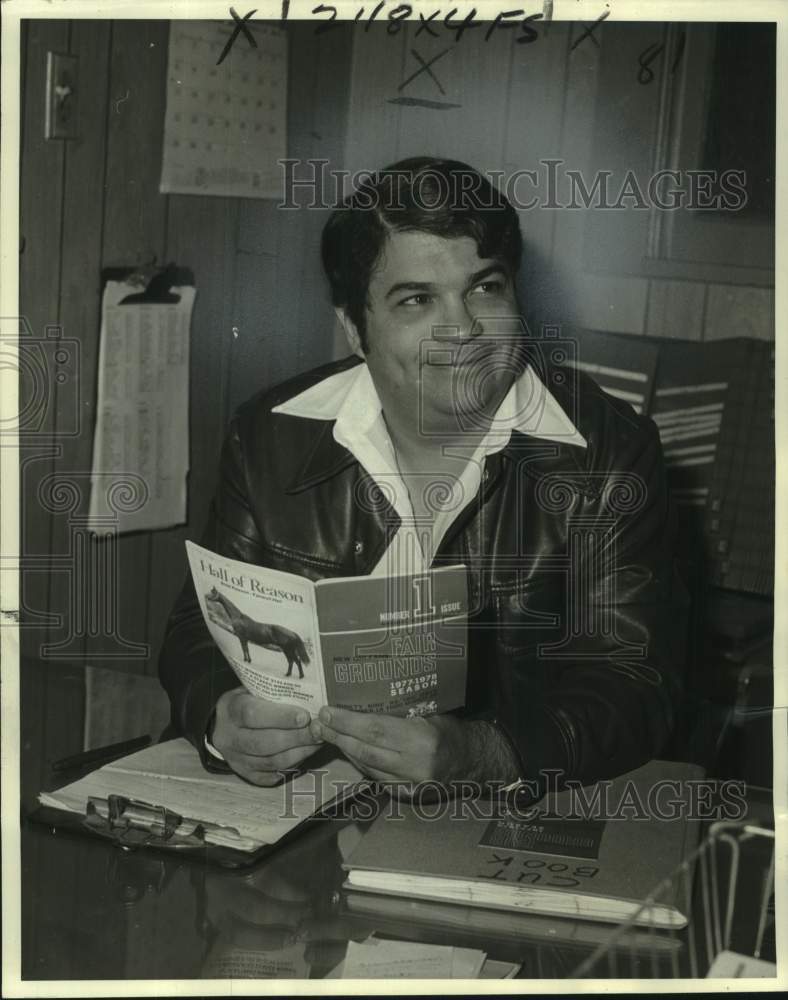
{"points": [[348, 405]]}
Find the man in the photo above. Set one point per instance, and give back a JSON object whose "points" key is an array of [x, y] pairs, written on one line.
{"points": [[446, 439]]}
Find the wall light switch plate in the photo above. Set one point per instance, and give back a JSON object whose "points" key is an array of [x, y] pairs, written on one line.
{"points": [[62, 96]]}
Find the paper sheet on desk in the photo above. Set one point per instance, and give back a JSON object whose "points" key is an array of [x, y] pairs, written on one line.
{"points": [[732, 965], [377, 958], [228, 961], [141, 441]]}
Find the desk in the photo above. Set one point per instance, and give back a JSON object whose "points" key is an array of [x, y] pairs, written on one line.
{"points": [[92, 911]]}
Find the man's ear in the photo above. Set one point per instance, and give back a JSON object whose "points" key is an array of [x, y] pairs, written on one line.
{"points": [[351, 331]]}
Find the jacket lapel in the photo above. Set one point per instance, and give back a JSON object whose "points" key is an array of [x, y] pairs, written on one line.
{"points": [[372, 520], [326, 459], [526, 455]]}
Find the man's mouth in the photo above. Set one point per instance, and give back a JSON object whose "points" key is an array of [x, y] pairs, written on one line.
{"points": [[460, 355]]}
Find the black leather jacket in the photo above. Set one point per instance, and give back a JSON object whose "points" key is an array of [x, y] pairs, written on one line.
{"points": [[578, 627]]}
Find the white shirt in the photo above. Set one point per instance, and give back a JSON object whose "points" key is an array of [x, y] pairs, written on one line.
{"points": [[350, 399]]}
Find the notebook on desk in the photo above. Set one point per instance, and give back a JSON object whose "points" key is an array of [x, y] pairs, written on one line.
{"points": [[594, 861], [162, 797]]}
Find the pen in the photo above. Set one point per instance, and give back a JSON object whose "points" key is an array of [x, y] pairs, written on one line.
{"points": [[102, 755]]}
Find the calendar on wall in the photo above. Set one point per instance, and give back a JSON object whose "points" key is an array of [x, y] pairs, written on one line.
{"points": [[225, 128]]}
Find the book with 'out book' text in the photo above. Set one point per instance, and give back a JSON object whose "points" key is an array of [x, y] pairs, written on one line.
{"points": [[595, 853]]}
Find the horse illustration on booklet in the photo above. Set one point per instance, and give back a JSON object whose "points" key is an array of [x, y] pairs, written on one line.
{"points": [[225, 614]]}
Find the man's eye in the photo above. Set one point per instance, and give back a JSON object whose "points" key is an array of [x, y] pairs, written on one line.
{"points": [[492, 287], [420, 299]]}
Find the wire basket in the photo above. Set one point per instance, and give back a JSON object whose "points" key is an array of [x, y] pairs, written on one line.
{"points": [[726, 888]]}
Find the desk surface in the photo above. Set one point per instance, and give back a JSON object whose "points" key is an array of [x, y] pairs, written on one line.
{"points": [[93, 911]]}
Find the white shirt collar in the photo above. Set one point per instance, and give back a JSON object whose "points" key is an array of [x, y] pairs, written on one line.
{"points": [[350, 399]]}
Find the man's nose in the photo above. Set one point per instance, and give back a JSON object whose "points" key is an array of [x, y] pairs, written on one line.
{"points": [[458, 322]]}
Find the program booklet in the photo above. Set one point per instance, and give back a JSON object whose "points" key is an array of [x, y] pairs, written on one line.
{"points": [[371, 644]]}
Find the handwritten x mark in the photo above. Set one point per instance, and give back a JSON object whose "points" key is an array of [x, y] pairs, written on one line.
{"points": [[425, 68], [589, 32], [240, 26]]}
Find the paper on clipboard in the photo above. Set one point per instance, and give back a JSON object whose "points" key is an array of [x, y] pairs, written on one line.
{"points": [[141, 441]]}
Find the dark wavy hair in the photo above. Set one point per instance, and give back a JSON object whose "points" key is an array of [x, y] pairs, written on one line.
{"points": [[425, 194]]}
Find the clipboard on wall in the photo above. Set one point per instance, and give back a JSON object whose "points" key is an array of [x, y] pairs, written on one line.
{"points": [[141, 437], [153, 285]]}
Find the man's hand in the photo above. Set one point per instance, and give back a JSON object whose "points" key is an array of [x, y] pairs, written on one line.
{"points": [[259, 739], [407, 751]]}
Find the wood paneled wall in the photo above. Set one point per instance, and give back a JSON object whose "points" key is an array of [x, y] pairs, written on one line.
{"points": [[261, 315], [567, 97]]}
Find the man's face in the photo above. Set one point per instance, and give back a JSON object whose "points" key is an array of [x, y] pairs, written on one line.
{"points": [[442, 329]]}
